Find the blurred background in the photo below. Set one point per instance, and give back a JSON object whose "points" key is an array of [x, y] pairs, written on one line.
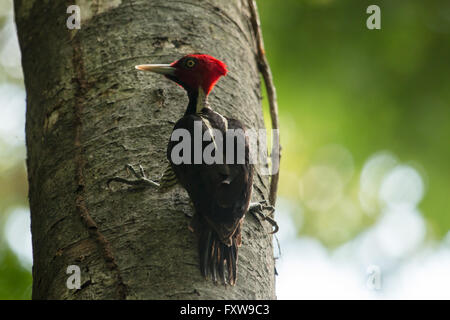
{"points": [[365, 172]]}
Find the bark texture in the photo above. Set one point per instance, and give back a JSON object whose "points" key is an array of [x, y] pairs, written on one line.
{"points": [[89, 113]]}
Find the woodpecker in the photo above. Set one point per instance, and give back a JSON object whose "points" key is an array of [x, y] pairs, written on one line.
{"points": [[220, 191]]}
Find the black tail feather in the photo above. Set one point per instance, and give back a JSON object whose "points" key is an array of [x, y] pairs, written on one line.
{"points": [[213, 256], [221, 264], [234, 254], [205, 249], [213, 261], [231, 262]]}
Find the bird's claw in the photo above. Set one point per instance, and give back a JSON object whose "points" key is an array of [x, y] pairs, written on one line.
{"points": [[259, 207], [139, 175], [141, 178]]}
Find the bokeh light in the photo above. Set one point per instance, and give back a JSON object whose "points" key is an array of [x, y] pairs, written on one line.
{"points": [[364, 176]]}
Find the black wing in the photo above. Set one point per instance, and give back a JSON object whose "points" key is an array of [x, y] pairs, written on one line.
{"points": [[220, 192]]}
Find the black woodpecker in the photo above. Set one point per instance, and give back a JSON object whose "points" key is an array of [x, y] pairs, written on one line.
{"points": [[220, 190]]}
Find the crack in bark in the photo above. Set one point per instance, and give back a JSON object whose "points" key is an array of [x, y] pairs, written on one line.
{"points": [[81, 88]]}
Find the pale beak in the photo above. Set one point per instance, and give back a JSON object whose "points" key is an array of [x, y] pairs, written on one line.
{"points": [[165, 69]]}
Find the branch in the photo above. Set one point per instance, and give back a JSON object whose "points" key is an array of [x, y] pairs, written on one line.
{"points": [[264, 68]]}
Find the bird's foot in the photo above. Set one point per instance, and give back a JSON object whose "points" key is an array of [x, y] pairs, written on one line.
{"points": [[258, 208], [141, 178]]}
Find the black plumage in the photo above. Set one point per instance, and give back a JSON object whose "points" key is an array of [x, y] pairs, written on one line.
{"points": [[220, 193]]}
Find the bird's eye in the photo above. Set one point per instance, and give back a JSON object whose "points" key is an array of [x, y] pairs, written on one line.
{"points": [[189, 63]]}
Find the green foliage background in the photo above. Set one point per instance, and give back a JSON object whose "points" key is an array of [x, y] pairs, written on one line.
{"points": [[340, 85], [367, 90]]}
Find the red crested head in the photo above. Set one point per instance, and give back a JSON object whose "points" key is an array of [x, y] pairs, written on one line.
{"points": [[192, 72], [199, 71]]}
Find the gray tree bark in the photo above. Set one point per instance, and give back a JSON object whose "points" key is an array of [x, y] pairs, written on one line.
{"points": [[89, 113]]}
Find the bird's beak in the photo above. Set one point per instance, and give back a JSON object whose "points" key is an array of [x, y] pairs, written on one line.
{"points": [[165, 69]]}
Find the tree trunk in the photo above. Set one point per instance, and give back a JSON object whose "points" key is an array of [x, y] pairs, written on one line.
{"points": [[89, 112]]}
